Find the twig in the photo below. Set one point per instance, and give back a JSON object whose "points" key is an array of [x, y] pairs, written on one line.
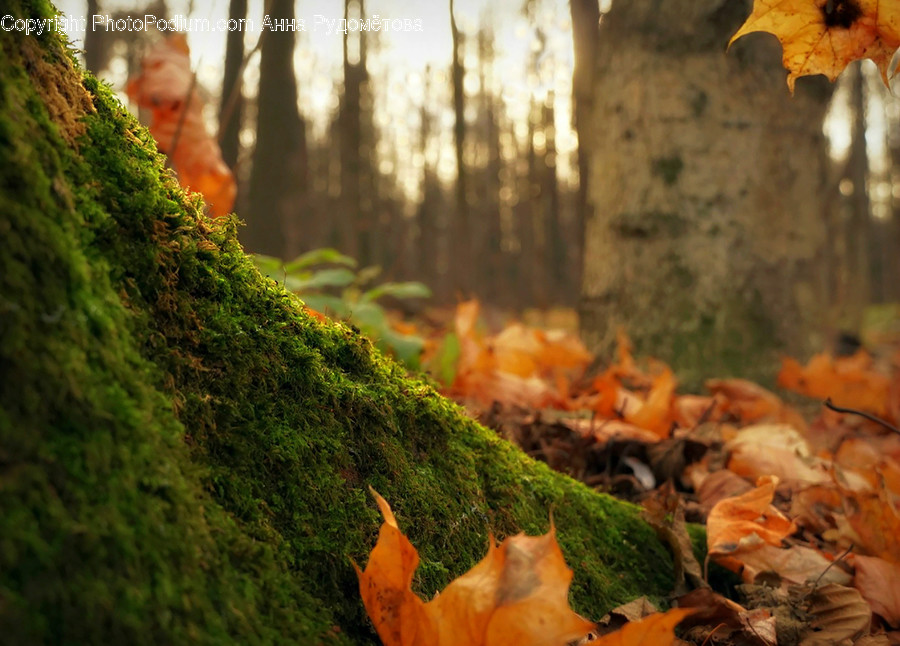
{"points": [[828, 567], [869, 417], [183, 116], [235, 90]]}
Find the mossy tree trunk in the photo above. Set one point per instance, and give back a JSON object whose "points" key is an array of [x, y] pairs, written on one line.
{"points": [[184, 453], [706, 187]]}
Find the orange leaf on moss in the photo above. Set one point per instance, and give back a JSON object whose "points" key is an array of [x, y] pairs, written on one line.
{"points": [[516, 596], [654, 630]]}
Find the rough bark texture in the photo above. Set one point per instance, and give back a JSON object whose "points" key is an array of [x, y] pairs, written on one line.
{"points": [[706, 190], [184, 453]]}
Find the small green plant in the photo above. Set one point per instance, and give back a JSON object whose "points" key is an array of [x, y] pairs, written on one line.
{"points": [[329, 282]]}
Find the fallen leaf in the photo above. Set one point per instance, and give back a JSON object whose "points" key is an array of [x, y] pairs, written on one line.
{"points": [[734, 521], [664, 511], [774, 449], [824, 36], [879, 583], [720, 485], [516, 596], [839, 613], [794, 565], [849, 382], [750, 402], [634, 610], [713, 612], [871, 522], [655, 414], [655, 630]]}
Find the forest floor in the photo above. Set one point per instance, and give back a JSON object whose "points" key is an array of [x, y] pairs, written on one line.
{"points": [[799, 490]]}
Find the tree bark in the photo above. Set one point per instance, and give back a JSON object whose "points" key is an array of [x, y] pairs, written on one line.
{"points": [[278, 177], [231, 105], [461, 258], [707, 184]]}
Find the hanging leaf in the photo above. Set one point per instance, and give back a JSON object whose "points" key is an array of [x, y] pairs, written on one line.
{"points": [[166, 87], [824, 36]]}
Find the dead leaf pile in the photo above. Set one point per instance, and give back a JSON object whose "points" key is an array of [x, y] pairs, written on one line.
{"points": [[808, 510]]}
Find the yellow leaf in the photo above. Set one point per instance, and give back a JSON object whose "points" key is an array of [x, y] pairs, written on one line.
{"points": [[824, 36]]}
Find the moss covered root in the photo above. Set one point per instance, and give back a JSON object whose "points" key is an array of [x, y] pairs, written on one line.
{"points": [[184, 454]]}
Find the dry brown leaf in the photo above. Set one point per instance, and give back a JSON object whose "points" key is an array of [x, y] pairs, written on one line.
{"points": [[793, 565], [720, 485], [516, 596], [839, 614], [632, 611], [774, 449], [824, 36], [664, 511], [879, 583]]}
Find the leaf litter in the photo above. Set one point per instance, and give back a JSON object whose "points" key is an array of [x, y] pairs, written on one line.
{"points": [[806, 513]]}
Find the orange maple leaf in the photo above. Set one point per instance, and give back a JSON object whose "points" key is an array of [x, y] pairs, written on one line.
{"points": [[517, 595], [654, 630], [824, 36], [165, 86]]}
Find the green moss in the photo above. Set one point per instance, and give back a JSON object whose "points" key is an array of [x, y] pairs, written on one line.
{"points": [[649, 224], [184, 454], [668, 168]]}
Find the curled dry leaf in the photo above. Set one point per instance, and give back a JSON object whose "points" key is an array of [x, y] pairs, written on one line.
{"points": [[824, 36], [664, 511], [516, 596], [733, 522], [632, 611]]}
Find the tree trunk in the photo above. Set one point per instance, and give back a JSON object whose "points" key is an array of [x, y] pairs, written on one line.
{"points": [[186, 453], [278, 177], [231, 105], [707, 184], [461, 258], [585, 38]]}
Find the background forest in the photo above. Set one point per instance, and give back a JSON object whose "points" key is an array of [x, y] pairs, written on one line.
{"points": [[450, 156]]}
